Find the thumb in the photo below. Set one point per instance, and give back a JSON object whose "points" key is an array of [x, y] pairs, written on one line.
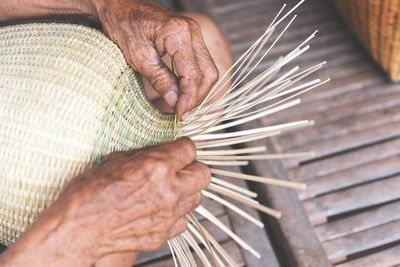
{"points": [[150, 65]]}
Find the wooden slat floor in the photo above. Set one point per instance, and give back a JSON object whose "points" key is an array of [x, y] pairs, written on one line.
{"points": [[353, 196]]}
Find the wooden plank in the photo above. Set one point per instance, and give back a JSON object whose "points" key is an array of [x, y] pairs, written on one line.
{"points": [[339, 144], [351, 199], [313, 56], [305, 62], [244, 33], [350, 177], [339, 249], [359, 222], [293, 235], [164, 251], [251, 233], [235, 6], [385, 258], [346, 161], [330, 91], [321, 107], [264, 14], [344, 121], [229, 246], [353, 82]]}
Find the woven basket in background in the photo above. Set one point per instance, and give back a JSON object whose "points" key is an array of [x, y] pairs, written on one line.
{"points": [[376, 24]]}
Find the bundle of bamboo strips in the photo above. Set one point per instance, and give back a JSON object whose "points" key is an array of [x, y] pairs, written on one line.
{"points": [[114, 114]]}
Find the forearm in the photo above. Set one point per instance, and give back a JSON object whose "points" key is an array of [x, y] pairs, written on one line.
{"points": [[49, 242], [21, 9]]}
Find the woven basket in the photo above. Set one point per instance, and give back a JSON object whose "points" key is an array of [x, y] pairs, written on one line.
{"points": [[377, 25], [67, 97]]}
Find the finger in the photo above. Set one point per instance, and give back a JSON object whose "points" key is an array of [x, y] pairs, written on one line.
{"points": [[188, 204], [114, 155], [206, 63], [121, 154], [176, 40], [153, 241], [192, 179], [178, 228], [158, 74], [178, 154]]}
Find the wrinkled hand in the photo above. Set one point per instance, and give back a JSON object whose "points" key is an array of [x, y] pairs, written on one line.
{"points": [[131, 201], [146, 31]]}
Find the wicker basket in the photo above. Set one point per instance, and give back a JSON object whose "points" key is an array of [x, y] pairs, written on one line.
{"points": [[67, 98], [377, 25]]}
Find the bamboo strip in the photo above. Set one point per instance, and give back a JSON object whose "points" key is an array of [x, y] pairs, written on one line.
{"points": [[179, 253], [279, 127], [234, 208], [236, 140], [186, 250], [259, 157], [231, 192], [201, 210], [172, 253], [244, 56], [231, 151], [202, 234], [258, 206], [233, 187], [224, 163], [260, 179], [196, 248]]}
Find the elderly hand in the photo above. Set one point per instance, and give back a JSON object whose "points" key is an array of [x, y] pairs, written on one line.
{"points": [[146, 31], [131, 201]]}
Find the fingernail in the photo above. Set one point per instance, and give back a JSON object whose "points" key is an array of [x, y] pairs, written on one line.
{"points": [[184, 115], [171, 97]]}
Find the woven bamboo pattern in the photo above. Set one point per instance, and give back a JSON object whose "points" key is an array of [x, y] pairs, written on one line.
{"points": [[67, 97], [376, 23]]}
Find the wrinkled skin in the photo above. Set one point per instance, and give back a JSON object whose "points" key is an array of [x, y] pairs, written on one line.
{"points": [[146, 31], [131, 201]]}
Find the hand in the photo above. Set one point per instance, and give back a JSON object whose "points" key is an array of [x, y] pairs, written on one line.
{"points": [[146, 31], [131, 201]]}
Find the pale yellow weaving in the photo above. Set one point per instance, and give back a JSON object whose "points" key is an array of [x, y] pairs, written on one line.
{"points": [[67, 97]]}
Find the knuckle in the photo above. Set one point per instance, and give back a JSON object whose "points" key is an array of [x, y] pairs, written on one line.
{"points": [[167, 224], [153, 242], [169, 198], [194, 24], [156, 166], [182, 226], [205, 171], [160, 79], [198, 197], [180, 24], [194, 75], [113, 155], [213, 74], [190, 147]]}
